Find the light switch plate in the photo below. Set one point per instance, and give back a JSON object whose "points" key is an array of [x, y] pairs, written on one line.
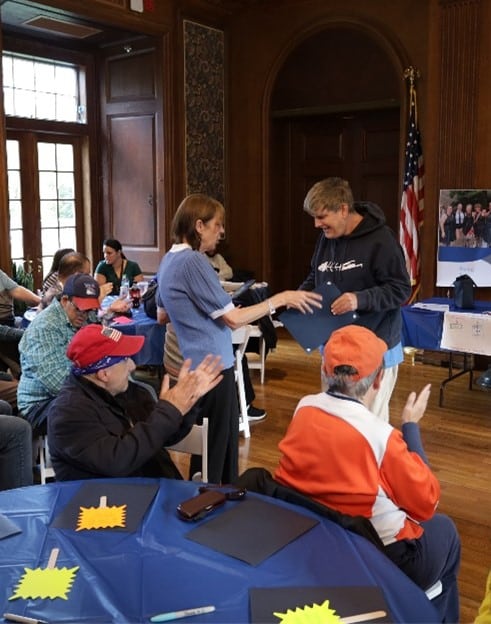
{"points": [[136, 5]]}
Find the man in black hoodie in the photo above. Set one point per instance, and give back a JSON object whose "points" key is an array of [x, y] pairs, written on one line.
{"points": [[360, 254]]}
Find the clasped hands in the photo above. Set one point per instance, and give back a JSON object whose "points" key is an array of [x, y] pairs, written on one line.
{"points": [[192, 384]]}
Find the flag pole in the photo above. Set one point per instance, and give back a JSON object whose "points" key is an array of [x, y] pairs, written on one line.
{"points": [[412, 202]]}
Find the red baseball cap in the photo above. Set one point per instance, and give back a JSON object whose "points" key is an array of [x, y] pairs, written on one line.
{"points": [[83, 290], [355, 346], [94, 342]]}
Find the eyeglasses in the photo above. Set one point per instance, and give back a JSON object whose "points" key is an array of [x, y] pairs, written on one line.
{"points": [[91, 314], [78, 310]]}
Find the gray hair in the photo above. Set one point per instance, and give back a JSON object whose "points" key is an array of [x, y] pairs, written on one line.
{"points": [[342, 382], [328, 195]]}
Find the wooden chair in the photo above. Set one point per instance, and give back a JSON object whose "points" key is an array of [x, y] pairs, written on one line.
{"points": [[195, 443]]}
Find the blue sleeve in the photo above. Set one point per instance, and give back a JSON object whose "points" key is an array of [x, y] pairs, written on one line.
{"points": [[412, 437], [205, 290]]}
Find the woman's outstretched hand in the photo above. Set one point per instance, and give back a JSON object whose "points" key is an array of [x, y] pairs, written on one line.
{"points": [[303, 300]]}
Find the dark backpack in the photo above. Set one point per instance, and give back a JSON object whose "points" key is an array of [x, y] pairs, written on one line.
{"points": [[464, 292], [150, 299]]}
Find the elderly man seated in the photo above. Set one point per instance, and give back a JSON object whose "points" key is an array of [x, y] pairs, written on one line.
{"points": [[43, 347], [338, 453], [102, 425]]}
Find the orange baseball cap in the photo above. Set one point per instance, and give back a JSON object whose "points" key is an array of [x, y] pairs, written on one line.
{"points": [[354, 346]]}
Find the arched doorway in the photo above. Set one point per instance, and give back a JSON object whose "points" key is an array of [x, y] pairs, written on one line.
{"points": [[335, 109]]}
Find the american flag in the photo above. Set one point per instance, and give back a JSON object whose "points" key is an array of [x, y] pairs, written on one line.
{"points": [[412, 202]]}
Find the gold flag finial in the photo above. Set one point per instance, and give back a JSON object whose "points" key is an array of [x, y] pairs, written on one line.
{"points": [[411, 73]]}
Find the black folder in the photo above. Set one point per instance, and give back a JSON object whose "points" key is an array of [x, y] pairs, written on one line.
{"points": [[313, 330]]}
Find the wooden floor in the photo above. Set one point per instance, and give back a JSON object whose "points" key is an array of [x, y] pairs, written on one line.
{"points": [[457, 439]]}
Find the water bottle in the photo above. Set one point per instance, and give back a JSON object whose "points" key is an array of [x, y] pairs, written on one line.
{"points": [[124, 291]]}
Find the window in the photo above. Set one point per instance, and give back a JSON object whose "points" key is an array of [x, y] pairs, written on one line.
{"points": [[41, 89], [46, 140], [57, 199], [15, 201]]}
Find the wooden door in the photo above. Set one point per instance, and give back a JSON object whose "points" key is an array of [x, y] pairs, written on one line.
{"points": [[133, 152], [362, 147]]}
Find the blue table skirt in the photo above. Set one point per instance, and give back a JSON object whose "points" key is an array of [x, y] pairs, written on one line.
{"points": [[152, 352], [127, 577], [423, 328]]}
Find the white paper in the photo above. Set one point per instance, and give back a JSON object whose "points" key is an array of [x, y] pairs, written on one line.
{"points": [[467, 333], [436, 307]]}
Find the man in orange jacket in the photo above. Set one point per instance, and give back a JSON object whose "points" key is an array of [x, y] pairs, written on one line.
{"points": [[337, 452]]}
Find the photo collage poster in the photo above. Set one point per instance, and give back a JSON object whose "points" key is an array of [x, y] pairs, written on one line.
{"points": [[464, 236]]}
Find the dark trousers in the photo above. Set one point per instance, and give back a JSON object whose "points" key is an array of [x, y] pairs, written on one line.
{"points": [[15, 452], [250, 395], [221, 408], [9, 349], [36, 416], [434, 556]]}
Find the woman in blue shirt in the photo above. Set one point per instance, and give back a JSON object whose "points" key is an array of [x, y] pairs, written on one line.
{"points": [[203, 316]]}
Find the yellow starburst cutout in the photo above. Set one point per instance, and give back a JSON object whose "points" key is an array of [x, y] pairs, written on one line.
{"points": [[315, 614], [45, 583], [101, 517]]}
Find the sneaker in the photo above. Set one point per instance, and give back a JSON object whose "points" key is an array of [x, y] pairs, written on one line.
{"points": [[255, 413]]}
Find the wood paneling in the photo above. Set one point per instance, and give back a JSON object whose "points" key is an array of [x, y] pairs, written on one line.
{"points": [[460, 22], [361, 146]]}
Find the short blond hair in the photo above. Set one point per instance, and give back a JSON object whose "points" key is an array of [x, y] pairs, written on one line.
{"points": [[328, 195]]}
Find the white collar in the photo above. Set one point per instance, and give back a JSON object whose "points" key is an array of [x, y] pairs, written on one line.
{"points": [[176, 247]]}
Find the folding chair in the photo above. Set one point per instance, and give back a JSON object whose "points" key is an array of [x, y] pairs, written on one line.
{"points": [[195, 443], [46, 469], [240, 337]]}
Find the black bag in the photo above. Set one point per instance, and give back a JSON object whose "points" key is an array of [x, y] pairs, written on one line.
{"points": [[464, 292], [150, 299]]}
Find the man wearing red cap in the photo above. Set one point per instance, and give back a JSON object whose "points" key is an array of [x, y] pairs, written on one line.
{"points": [[96, 430], [337, 452]]}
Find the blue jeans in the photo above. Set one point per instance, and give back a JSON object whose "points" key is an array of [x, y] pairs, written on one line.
{"points": [[434, 556], [15, 452]]}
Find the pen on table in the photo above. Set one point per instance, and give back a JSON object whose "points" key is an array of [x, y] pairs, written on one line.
{"points": [[22, 619], [363, 617], [176, 615]]}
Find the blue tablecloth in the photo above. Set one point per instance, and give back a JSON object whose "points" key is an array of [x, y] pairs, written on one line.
{"points": [[152, 352], [129, 576], [423, 328]]}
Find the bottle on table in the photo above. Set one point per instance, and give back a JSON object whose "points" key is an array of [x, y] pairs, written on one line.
{"points": [[135, 294], [124, 290]]}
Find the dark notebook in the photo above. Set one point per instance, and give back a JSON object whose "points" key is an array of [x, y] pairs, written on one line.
{"points": [[313, 330], [252, 530]]}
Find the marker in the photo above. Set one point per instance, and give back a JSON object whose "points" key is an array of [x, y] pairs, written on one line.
{"points": [[176, 615], [22, 619]]}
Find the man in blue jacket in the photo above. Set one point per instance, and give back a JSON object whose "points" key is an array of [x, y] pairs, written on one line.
{"points": [[360, 254]]}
